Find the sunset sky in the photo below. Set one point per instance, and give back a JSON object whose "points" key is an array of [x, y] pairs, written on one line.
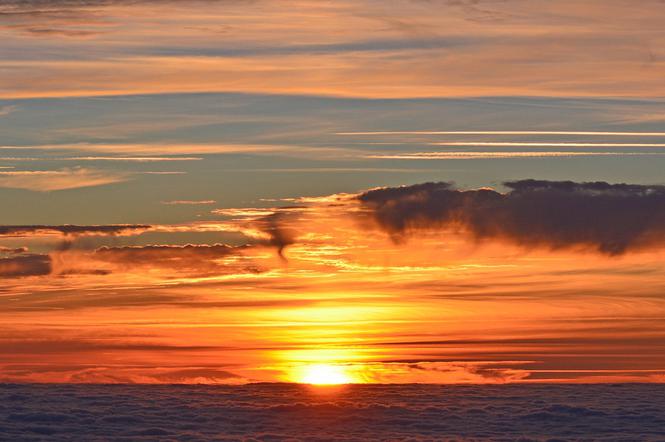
{"points": [[232, 191]]}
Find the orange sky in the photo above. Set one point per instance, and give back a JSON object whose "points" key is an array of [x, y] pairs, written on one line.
{"points": [[424, 310], [182, 190], [417, 49]]}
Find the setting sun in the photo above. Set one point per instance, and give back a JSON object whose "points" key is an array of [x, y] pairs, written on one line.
{"points": [[323, 374]]}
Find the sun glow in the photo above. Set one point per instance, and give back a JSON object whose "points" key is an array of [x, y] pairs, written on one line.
{"points": [[324, 374]]}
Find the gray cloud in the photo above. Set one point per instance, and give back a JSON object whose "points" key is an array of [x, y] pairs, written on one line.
{"points": [[22, 266], [276, 226], [610, 218]]}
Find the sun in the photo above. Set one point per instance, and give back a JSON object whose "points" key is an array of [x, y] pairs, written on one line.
{"points": [[325, 374]]}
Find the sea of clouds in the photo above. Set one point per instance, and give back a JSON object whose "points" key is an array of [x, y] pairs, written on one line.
{"points": [[276, 412]]}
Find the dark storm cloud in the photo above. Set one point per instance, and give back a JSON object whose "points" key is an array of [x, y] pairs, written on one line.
{"points": [[28, 265], [611, 218], [73, 230]]}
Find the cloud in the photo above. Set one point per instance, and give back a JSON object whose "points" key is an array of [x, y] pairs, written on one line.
{"points": [[73, 230], [501, 155], [414, 49], [276, 227], [194, 260], [196, 376], [13, 250], [272, 226], [543, 144], [126, 152], [50, 180], [189, 257], [6, 110], [22, 266], [509, 132], [161, 261], [188, 202], [610, 218], [132, 159]]}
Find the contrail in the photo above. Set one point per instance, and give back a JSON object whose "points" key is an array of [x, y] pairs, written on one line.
{"points": [[488, 155], [510, 132], [543, 144]]}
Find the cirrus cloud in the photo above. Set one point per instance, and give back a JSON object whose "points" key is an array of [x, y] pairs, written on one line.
{"points": [[62, 179]]}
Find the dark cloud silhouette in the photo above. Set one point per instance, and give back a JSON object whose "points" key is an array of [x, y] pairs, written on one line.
{"points": [[27, 265], [73, 230], [276, 226], [192, 259], [610, 218]]}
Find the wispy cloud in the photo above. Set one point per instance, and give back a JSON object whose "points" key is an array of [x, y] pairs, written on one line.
{"points": [[413, 49], [6, 110], [543, 144], [511, 132], [104, 159], [161, 151], [25, 265], [189, 202], [51, 180], [72, 230], [500, 155]]}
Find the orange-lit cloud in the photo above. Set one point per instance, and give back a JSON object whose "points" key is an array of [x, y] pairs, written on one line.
{"points": [[139, 152], [414, 49], [25, 265], [533, 281], [435, 308], [189, 202], [499, 155], [72, 230], [50, 180]]}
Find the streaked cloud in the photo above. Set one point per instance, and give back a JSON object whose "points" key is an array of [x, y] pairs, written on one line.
{"points": [[25, 265], [73, 230], [347, 294], [188, 202], [543, 144], [414, 49], [159, 150], [103, 159], [499, 155], [51, 180], [6, 110], [511, 132], [13, 250], [244, 131]]}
